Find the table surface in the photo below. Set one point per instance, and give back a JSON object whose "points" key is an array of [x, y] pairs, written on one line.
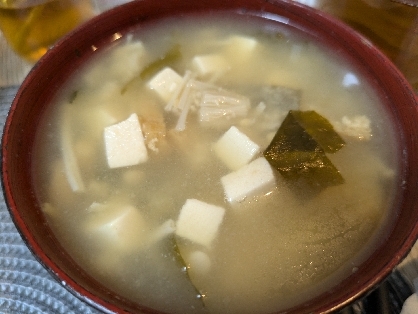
{"points": [[26, 287]]}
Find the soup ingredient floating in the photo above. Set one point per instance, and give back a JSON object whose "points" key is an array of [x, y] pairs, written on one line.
{"points": [[298, 149], [125, 143]]}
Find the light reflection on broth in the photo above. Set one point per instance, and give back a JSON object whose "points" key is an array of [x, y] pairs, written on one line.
{"points": [[126, 159]]}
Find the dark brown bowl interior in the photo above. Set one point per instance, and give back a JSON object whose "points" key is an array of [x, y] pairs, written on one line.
{"points": [[53, 70]]}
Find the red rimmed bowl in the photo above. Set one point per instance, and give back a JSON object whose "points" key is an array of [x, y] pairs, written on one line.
{"points": [[52, 71]]}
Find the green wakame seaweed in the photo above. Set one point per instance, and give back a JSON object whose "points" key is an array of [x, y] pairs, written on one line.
{"points": [[298, 150]]}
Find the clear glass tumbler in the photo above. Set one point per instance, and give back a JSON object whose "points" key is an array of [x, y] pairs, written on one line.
{"points": [[32, 26]]}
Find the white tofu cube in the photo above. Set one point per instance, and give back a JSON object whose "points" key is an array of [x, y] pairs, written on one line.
{"points": [[118, 226], [165, 83], [125, 144], [199, 222], [123, 64], [235, 148], [253, 179], [127, 61], [210, 64], [241, 47]]}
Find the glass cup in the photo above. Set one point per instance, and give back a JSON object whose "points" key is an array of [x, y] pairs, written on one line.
{"points": [[32, 26]]}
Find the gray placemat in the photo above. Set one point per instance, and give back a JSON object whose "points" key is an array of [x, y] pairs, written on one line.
{"points": [[25, 285]]}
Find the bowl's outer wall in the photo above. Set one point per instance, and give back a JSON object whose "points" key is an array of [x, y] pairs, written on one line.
{"points": [[55, 67]]}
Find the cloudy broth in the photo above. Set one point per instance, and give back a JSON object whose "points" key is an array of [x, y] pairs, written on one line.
{"points": [[267, 251]]}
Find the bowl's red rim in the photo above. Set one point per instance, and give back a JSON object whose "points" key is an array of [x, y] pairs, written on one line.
{"points": [[100, 21]]}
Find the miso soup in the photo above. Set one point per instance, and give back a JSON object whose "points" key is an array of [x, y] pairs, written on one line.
{"points": [[212, 165]]}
